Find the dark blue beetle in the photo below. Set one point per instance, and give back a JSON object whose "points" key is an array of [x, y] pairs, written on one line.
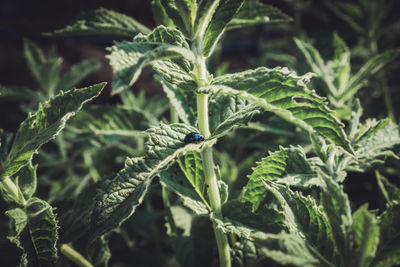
{"points": [[193, 138]]}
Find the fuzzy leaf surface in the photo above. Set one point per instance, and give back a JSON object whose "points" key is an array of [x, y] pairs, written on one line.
{"points": [[252, 13], [34, 230], [164, 48], [284, 93], [119, 197], [337, 207], [46, 124], [289, 166], [291, 250], [103, 21], [374, 142], [270, 168], [366, 236], [228, 113], [283, 210]]}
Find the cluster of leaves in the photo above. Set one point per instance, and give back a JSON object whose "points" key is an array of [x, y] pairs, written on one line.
{"points": [[292, 209]]}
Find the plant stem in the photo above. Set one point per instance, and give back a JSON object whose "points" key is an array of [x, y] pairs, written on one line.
{"points": [[74, 256], [202, 79], [215, 201], [211, 181]]}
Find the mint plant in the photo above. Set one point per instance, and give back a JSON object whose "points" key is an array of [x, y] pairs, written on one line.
{"points": [[339, 85], [292, 209]]}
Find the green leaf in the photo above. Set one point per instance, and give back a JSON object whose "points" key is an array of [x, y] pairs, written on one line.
{"points": [[175, 180], [284, 210], [331, 160], [268, 219], [269, 168], [46, 70], [389, 190], [337, 208], [34, 230], [291, 250], [374, 141], [182, 13], [300, 172], [164, 48], [191, 165], [284, 93], [76, 73], [19, 93], [303, 216], [224, 13], [119, 197], [371, 67], [103, 21], [45, 124], [229, 112], [388, 253], [252, 13], [289, 166], [26, 180], [366, 236], [178, 100]]}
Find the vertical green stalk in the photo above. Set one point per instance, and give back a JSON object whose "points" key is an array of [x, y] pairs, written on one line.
{"points": [[202, 79], [209, 171]]}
